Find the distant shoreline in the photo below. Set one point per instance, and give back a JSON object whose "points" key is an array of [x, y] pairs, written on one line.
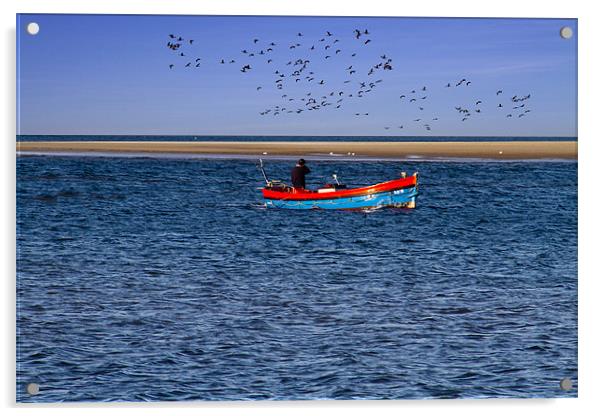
{"points": [[490, 149], [281, 138]]}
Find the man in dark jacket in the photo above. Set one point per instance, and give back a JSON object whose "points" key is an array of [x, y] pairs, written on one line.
{"points": [[298, 174]]}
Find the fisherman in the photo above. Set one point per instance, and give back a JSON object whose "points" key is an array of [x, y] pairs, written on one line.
{"points": [[298, 174]]}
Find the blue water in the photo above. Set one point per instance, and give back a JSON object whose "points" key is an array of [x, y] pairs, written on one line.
{"points": [[86, 138], [163, 279]]}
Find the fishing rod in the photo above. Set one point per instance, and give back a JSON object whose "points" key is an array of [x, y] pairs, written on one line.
{"points": [[263, 172]]}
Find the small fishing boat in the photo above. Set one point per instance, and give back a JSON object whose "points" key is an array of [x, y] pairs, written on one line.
{"points": [[397, 193]]}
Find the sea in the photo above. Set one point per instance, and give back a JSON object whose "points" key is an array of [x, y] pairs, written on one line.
{"points": [[164, 278], [273, 138]]}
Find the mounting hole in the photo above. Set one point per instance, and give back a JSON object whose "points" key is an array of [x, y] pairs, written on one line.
{"points": [[33, 389], [566, 32], [33, 28], [566, 384]]}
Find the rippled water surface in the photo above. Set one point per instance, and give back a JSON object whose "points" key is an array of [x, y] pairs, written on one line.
{"points": [[163, 279]]}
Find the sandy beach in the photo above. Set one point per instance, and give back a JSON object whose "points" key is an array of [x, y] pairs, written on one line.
{"points": [[497, 150]]}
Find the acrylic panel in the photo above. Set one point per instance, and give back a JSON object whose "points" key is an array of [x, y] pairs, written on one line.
{"points": [[295, 208]]}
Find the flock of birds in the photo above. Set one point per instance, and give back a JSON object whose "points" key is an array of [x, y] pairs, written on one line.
{"points": [[419, 97], [304, 89]]}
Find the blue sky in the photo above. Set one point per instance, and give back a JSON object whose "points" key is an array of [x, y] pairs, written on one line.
{"points": [[94, 74]]}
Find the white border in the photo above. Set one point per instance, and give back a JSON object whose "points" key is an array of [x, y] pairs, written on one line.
{"points": [[589, 186]]}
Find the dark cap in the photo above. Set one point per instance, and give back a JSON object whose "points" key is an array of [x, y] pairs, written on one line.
{"points": [[301, 162]]}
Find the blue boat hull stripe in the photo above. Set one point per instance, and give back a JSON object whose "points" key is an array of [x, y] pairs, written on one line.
{"points": [[396, 198]]}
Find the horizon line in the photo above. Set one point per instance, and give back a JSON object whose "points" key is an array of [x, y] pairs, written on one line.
{"points": [[281, 135]]}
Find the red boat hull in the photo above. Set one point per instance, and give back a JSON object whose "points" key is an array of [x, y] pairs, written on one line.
{"points": [[295, 194]]}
